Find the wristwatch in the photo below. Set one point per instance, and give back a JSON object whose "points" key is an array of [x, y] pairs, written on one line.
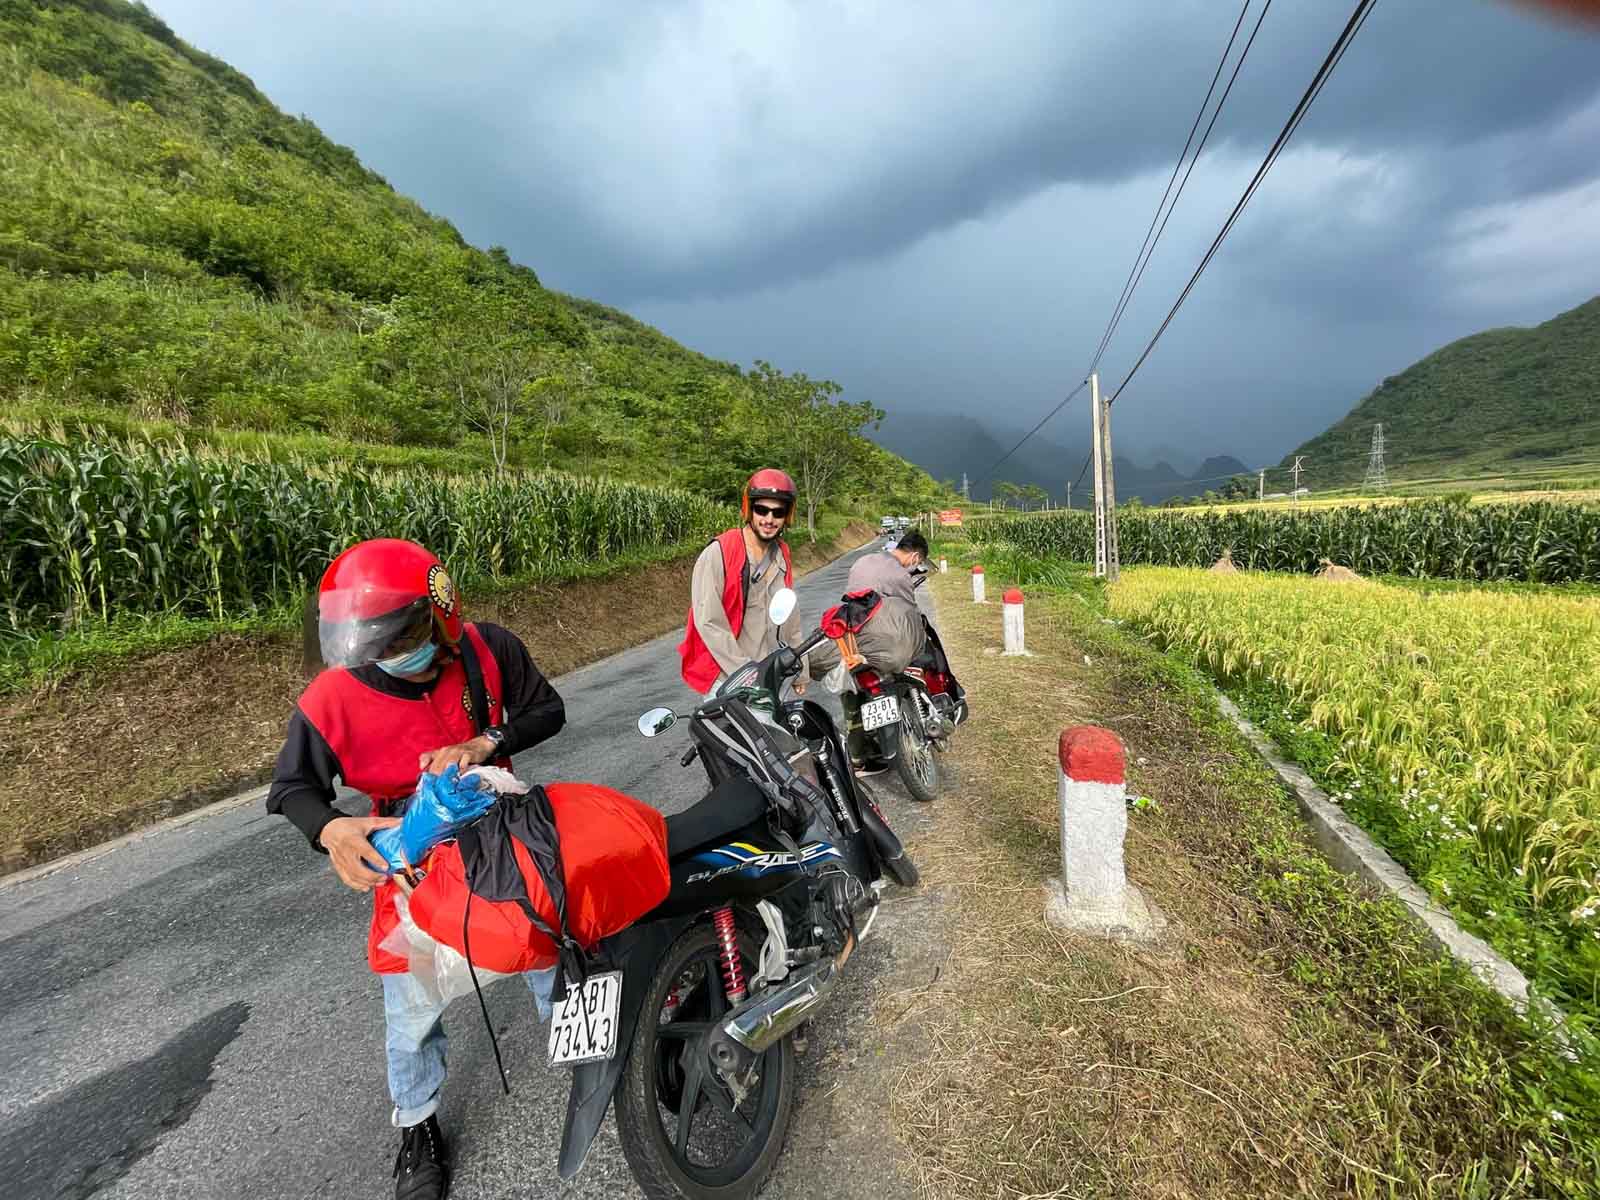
{"points": [[498, 737]]}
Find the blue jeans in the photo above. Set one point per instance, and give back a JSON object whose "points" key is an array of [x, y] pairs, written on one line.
{"points": [[415, 1042]]}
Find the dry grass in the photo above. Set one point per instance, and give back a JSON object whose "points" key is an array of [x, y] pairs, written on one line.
{"points": [[98, 755], [1215, 1066]]}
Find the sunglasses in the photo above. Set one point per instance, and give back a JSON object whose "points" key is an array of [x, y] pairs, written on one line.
{"points": [[761, 510]]}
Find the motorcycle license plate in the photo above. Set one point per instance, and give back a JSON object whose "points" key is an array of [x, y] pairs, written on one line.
{"points": [[584, 1025], [875, 714]]}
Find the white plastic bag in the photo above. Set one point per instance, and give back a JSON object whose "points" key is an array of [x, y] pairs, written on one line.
{"points": [[441, 971], [501, 781]]}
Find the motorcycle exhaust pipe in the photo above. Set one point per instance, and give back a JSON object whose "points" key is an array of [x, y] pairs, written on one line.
{"points": [[775, 1014]]}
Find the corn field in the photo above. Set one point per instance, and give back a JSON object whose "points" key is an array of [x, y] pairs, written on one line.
{"points": [[92, 530], [1474, 714], [1539, 541]]}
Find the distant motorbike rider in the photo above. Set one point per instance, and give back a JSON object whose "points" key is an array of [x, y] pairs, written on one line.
{"points": [[734, 579], [405, 676]]}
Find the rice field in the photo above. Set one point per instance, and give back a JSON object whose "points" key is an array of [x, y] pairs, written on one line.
{"points": [[1462, 729], [94, 530]]}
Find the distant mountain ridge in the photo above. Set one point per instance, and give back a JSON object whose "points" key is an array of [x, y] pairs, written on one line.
{"points": [[1505, 401], [945, 444]]}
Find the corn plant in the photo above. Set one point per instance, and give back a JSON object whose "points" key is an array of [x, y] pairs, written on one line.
{"points": [[1538, 541], [91, 530]]}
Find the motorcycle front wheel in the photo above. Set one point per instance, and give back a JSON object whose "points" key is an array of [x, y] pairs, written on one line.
{"points": [[683, 1132], [915, 763]]}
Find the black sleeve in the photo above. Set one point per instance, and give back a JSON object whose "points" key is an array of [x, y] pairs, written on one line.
{"points": [[302, 780], [534, 711]]}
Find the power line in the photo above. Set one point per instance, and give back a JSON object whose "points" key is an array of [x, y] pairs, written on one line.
{"points": [[1131, 282], [1352, 27], [1035, 429], [1147, 248]]}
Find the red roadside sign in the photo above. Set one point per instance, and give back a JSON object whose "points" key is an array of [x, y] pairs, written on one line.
{"points": [[950, 516]]}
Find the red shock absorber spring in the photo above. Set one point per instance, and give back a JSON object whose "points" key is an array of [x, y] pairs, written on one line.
{"points": [[728, 954]]}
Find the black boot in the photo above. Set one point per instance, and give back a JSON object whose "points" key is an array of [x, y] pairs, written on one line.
{"points": [[422, 1168]]}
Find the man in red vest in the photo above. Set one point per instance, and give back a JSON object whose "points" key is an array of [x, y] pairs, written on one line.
{"points": [[405, 677], [734, 579]]}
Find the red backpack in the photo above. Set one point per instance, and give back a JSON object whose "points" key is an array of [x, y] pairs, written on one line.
{"points": [[543, 877]]}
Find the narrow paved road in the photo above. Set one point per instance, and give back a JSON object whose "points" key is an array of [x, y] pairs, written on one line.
{"points": [[191, 1015]]}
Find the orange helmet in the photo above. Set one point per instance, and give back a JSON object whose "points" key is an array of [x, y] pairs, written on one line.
{"points": [[374, 592], [771, 484]]}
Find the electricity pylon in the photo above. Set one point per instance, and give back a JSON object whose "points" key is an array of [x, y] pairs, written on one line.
{"points": [[1377, 479]]}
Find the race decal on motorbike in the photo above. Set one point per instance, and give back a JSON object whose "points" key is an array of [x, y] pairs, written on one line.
{"points": [[753, 861]]}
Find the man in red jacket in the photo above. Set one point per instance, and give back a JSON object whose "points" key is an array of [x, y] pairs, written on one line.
{"points": [[405, 676], [734, 579]]}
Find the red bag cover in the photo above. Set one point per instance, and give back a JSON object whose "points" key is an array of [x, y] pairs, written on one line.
{"points": [[613, 857], [851, 616]]}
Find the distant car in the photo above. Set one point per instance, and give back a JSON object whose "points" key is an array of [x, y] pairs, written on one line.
{"points": [[887, 524]]}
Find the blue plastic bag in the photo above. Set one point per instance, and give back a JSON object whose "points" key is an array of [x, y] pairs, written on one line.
{"points": [[440, 808]]}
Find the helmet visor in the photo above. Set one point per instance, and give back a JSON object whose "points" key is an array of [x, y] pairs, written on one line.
{"points": [[350, 638]]}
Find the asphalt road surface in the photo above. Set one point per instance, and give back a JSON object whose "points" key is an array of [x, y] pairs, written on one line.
{"points": [[191, 1014]]}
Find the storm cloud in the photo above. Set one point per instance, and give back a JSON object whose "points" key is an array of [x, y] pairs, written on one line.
{"points": [[936, 203]]}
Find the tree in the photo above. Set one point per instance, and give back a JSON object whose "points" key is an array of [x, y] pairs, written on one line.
{"points": [[1033, 494], [817, 436], [1240, 487]]}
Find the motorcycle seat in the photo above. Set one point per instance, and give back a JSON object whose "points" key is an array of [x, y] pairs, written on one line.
{"points": [[733, 805]]}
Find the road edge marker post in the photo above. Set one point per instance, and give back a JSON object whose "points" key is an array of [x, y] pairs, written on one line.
{"points": [[977, 584], [1093, 895], [944, 565], [1011, 623]]}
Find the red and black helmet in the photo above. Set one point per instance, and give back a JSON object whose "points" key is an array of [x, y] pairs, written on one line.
{"points": [[374, 592], [769, 483]]}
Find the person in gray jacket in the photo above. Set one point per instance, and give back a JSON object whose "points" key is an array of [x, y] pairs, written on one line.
{"points": [[888, 572], [895, 635]]}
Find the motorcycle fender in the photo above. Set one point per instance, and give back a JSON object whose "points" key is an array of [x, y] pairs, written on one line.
{"points": [[636, 951]]}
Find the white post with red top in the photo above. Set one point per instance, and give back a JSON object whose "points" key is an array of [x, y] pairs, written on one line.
{"points": [[1011, 618], [1093, 895], [977, 585]]}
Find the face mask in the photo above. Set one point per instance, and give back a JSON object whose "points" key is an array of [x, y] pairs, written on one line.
{"points": [[414, 663]]}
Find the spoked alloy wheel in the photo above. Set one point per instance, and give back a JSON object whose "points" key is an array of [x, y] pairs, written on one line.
{"points": [[918, 768], [682, 1130]]}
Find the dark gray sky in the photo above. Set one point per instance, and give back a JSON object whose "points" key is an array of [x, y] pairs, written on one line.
{"points": [[936, 203]]}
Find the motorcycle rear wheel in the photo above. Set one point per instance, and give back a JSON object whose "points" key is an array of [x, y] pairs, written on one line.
{"points": [[655, 1140], [915, 763]]}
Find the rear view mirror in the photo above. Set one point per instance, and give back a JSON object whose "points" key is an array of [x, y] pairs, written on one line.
{"points": [[657, 720], [782, 606]]}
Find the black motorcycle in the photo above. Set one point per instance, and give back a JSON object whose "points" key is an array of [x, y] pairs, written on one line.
{"points": [[687, 1016], [907, 717]]}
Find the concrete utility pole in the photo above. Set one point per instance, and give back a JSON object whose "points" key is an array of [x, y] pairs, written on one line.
{"points": [[1069, 493], [966, 489], [1298, 459], [1105, 492], [1377, 479], [1261, 485]]}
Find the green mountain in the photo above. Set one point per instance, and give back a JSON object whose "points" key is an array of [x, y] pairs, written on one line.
{"points": [[1512, 404], [178, 254]]}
